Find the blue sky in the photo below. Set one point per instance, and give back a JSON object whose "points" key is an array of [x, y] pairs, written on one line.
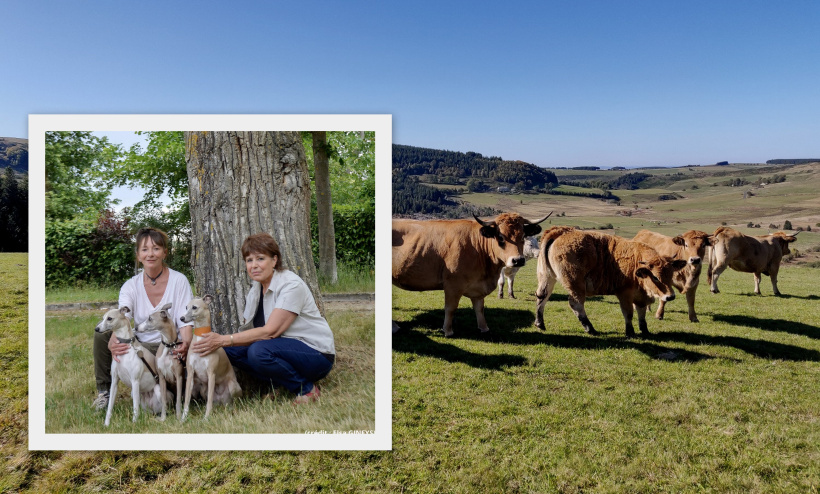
{"points": [[603, 83]]}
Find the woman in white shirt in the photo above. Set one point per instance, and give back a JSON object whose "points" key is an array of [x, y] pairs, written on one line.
{"points": [[290, 343], [144, 294]]}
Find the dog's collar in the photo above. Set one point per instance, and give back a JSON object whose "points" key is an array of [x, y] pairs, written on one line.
{"points": [[126, 340], [171, 345], [202, 330]]}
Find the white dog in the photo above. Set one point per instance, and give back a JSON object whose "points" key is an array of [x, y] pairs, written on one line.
{"points": [[134, 367]]}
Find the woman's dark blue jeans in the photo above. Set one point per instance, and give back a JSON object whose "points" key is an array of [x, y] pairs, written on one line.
{"points": [[285, 362]]}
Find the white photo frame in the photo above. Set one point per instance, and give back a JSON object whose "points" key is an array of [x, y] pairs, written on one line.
{"points": [[378, 439]]}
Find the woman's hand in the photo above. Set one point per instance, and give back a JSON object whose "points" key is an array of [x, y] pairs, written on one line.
{"points": [[208, 343], [116, 348], [181, 350]]}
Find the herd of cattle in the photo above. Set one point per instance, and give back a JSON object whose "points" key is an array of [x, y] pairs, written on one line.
{"points": [[467, 258]]}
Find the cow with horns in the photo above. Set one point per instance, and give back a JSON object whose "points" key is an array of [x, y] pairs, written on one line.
{"points": [[461, 257]]}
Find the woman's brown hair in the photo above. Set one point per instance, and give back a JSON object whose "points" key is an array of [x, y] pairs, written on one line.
{"points": [[159, 237], [262, 243]]}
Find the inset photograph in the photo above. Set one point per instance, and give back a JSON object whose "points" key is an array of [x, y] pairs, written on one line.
{"points": [[209, 282]]}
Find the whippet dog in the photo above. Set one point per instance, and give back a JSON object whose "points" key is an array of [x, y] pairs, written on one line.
{"points": [[169, 367], [136, 367], [212, 372]]}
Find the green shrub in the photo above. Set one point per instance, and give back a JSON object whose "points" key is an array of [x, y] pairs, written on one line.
{"points": [[355, 228], [82, 251]]}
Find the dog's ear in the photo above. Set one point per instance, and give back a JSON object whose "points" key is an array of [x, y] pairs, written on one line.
{"points": [[166, 306], [124, 310], [207, 299]]}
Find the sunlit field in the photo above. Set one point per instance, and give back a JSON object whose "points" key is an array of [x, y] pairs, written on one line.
{"points": [[725, 405]]}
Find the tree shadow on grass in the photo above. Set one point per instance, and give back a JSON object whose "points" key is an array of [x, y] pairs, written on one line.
{"points": [[779, 325]]}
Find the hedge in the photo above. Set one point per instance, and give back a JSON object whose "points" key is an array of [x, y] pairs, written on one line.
{"points": [[80, 251], [355, 228]]}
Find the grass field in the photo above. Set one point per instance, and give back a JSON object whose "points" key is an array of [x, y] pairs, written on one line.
{"points": [[725, 405], [347, 403]]}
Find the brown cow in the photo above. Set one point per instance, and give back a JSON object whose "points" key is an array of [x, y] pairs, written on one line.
{"points": [[461, 257], [592, 263], [691, 247], [747, 254]]}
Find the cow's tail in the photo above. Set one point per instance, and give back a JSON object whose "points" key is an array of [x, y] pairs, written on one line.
{"points": [[543, 268], [710, 253]]}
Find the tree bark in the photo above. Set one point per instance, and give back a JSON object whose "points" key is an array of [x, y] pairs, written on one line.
{"points": [[242, 183], [324, 206]]}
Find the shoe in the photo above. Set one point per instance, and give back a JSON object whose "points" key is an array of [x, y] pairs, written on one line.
{"points": [[101, 403], [308, 397]]}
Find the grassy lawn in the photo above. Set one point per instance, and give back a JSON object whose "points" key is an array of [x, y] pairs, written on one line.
{"points": [[182, 471], [13, 370], [347, 402], [726, 405]]}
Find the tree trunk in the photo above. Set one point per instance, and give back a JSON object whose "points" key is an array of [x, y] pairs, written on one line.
{"points": [[327, 235], [242, 183]]}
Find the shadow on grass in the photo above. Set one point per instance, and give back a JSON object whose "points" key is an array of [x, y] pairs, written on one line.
{"points": [[782, 295], [779, 325], [418, 343], [514, 327], [758, 348]]}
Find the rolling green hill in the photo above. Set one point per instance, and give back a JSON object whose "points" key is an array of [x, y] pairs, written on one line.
{"points": [[753, 198]]}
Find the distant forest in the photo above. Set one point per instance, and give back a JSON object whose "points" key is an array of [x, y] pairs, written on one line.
{"points": [[455, 167], [13, 195], [793, 162], [14, 154], [415, 166], [416, 170]]}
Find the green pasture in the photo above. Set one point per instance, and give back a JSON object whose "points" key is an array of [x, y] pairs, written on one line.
{"points": [[14, 458], [725, 405]]}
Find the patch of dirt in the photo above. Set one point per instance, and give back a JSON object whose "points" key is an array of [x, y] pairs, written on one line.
{"points": [[351, 305]]}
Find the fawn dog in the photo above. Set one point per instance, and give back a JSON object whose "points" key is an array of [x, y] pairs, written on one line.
{"points": [[136, 367], [212, 372], [169, 367]]}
